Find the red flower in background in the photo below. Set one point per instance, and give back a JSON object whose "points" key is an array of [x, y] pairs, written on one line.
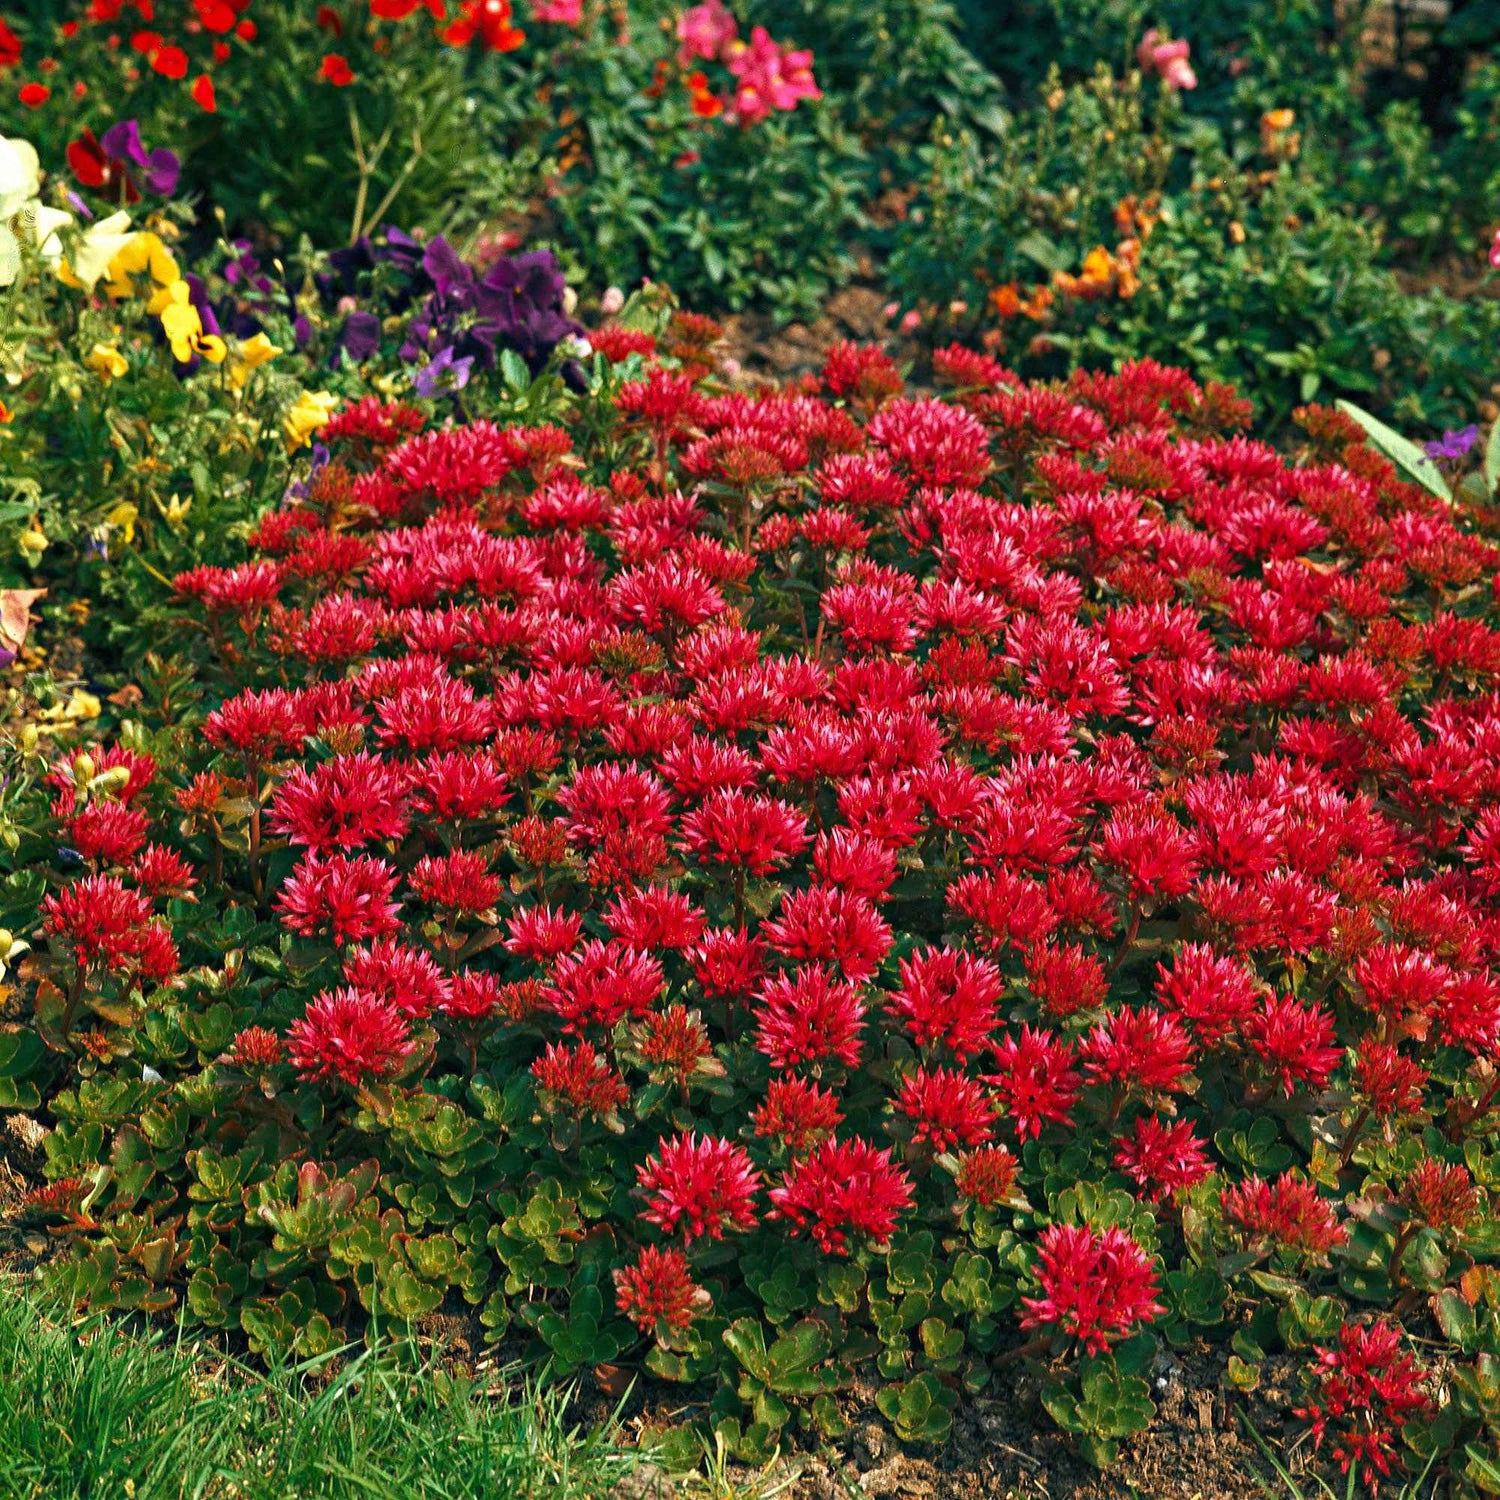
{"points": [[10, 46], [489, 22], [216, 15], [337, 71]]}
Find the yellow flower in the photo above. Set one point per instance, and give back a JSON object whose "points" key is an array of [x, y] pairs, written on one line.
{"points": [[124, 515], [312, 410], [1097, 265], [249, 355], [184, 328], [106, 362], [143, 255], [33, 542]]}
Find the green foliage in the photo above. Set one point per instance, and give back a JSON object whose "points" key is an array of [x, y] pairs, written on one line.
{"points": [[1109, 1403], [92, 1410]]}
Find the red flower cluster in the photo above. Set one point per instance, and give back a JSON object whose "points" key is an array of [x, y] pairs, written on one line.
{"points": [[839, 793], [1367, 1391], [1095, 1285]]}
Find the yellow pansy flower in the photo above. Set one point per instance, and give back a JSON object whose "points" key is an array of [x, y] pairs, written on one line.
{"points": [[106, 362], [143, 255], [249, 355], [311, 411], [184, 328]]}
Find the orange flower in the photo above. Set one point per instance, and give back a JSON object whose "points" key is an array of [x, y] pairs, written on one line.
{"points": [[706, 103], [1006, 300], [1039, 304]]}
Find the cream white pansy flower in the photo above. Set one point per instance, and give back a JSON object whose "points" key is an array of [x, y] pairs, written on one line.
{"points": [[19, 183], [22, 212], [97, 247]]}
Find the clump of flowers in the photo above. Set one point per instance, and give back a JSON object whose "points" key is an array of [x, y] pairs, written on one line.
{"points": [[1367, 1390], [830, 849], [1158, 53], [768, 76]]}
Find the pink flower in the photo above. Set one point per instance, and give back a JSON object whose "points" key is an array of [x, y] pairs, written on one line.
{"points": [[699, 1186], [844, 1187], [1495, 251], [1169, 59], [560, 12], [349, 1034], [704, 32], [612, 301], [770, 77]]}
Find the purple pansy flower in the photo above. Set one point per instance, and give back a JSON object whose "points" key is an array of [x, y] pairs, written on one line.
{"points": [[359, 338], [159, 169], [444, 374]]}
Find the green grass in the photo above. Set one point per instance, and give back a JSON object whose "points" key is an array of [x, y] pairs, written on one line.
{"points": [[97, 1414]]}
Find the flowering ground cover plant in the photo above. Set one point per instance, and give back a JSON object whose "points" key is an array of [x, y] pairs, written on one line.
{"points": [[823, 884]]}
